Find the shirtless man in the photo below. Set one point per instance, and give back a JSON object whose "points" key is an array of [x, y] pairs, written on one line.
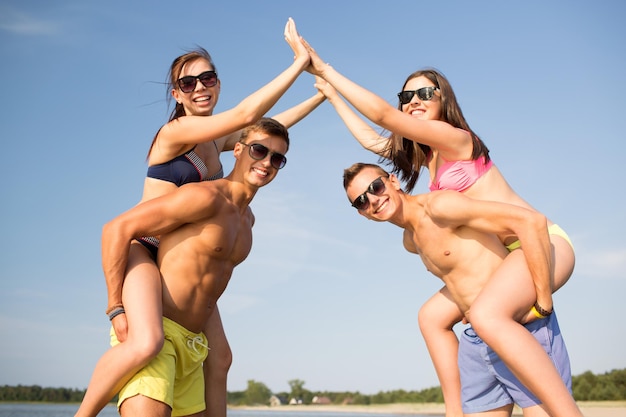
{"points": [[206, 230], [460, 241]]}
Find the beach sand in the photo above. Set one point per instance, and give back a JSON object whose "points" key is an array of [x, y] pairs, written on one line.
{"points": [[589, 409]]}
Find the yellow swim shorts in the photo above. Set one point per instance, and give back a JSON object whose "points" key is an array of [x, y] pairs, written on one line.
{"points": [[553, 230], [175, 375]]}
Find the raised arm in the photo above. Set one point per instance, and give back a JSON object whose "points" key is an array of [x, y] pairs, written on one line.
{"points": [[197, 129], [454, 209], [434, 133], [362, 132], [298, 112], [288, 118]]}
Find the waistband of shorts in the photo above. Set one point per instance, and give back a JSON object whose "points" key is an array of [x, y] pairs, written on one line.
{"points": [[470, 334]]}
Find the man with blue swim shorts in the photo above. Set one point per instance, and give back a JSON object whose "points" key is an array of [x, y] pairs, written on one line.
{"points": [[205, 230], [461, 241], [488, 384]]}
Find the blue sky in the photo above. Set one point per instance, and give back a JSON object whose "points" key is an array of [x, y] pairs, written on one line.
{"points": [[325, 296]]}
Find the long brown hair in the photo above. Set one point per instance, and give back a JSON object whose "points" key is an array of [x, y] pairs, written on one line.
{"points": [[172, 81], [407, 156]]}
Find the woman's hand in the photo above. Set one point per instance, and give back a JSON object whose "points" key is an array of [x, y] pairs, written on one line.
{"points": [[325, 88], [317, 65], [295, 41]]}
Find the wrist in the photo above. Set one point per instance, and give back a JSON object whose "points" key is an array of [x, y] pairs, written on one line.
{"points": [[325, 69], [112, 307], [540, 312], [115, 311]]}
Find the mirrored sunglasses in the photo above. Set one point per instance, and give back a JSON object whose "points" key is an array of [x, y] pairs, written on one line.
{"points": [[424, 94]]}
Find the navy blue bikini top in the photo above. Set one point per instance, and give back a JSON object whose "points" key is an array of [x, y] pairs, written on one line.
{"points": [[188, 167]]}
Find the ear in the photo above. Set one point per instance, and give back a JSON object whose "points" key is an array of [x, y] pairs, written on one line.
{"points": [[176, 95], [395, 182], [238, 149]]}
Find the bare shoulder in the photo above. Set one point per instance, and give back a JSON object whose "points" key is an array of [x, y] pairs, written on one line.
{"points": [[204, 198], [437, 203]]}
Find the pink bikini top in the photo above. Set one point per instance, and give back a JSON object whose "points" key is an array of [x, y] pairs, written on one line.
{"points": [[459, 175]]}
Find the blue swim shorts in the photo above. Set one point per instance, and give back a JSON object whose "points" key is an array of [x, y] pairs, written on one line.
{"points": [[488, 384]]}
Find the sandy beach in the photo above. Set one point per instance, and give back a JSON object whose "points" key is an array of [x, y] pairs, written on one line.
{"points": [[589, 409]]}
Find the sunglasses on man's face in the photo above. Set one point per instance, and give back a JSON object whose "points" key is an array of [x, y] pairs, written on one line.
{"points": [[188, 83], [259, 152], [377, 187], [424, 94]]}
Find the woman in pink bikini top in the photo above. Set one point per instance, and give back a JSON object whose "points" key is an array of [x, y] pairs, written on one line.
{"points": [[428, 129]]}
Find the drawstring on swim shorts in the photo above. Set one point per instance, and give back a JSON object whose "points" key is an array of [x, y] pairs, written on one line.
{"points": [[193, 341]]}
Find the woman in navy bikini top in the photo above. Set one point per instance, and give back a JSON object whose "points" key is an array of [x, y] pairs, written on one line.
{"points": [[180, 153], [188, 167]]}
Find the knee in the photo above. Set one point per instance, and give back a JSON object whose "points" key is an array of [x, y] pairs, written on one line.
{"points": [[484, 320], [430, 319], [147, 347], [220, 361], [425, 317], [225, 360]]}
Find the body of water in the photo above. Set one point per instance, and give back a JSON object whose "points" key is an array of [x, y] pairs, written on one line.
{"points": [[68, 410]]}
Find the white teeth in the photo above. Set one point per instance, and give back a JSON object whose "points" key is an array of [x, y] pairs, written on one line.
{"points": [[382, 206], [202, 99], [260, 171]]}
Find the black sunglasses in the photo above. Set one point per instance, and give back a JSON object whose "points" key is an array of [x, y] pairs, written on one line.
{"points": [[377, 187], [188, 83], [259, 152], [424, 94]]}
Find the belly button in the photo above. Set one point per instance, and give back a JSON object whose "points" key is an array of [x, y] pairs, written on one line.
{"points": [[446, 253]]}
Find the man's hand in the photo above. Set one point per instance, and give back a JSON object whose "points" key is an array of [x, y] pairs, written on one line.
{"points": [[120, 326]]}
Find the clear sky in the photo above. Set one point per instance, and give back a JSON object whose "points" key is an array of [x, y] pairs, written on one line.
{"points": [[325, 296]]}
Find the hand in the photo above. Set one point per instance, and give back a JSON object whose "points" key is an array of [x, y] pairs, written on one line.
{"points": [[120, 326], [317, 65], [295, 41], [325, 88]]}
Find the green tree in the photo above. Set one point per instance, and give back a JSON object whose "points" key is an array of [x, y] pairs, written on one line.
{"points": [[297, 388], [257, 393]]}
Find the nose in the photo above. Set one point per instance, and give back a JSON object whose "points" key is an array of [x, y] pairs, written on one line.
{"points": [[415, 99], [202, 87]]}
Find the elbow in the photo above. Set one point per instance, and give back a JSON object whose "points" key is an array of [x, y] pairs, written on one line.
{"points": [[539, 221], [250, 118], [247, 115], [114, 232]]}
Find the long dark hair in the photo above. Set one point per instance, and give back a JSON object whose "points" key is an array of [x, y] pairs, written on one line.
{"points": [[407, 156]]}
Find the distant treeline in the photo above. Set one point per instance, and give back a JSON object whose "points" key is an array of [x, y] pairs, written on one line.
{"points": [[610, 386]]}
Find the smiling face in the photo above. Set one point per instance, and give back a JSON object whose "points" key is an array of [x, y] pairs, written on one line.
{"points": [[381, 200], [257, 169], [202, 100], [422, 109]]}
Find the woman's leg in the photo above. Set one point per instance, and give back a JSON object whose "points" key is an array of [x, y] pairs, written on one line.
{"points": [[216, 366], [141, 296], [507, 298], [436, 318]]}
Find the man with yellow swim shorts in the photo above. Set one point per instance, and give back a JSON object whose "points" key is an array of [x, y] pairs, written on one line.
{"points": [[205, 230], [180, 360]]}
